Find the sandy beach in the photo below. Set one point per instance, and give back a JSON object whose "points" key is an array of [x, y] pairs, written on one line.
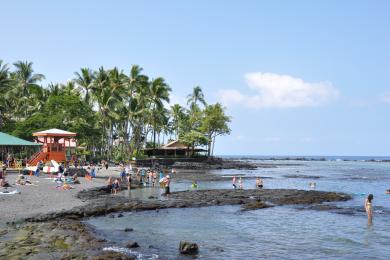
{"points": [[43, 196]]}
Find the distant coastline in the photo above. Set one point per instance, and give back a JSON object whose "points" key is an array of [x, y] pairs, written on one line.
{"points": [[307, 158]]}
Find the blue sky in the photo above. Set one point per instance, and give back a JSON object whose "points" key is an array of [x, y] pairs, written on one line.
{"points": [[297, 77]]}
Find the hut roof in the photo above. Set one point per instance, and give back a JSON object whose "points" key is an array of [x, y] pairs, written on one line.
{"points": [[54, 132], [9, 140]]}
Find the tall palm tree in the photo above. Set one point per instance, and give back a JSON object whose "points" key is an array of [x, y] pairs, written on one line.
{"points": [[195, 97], [26, 79], [4, 87], [84, 80], [159, 92], [177, 113]]}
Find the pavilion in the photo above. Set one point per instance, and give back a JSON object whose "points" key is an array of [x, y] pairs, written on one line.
{"points": [[173, 149], [15, 146]]}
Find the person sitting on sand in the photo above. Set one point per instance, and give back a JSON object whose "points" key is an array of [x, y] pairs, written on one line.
{"points": [[368, 207], [3, 182], [75, 179], [259, 183], [234, 182], [21, 180]]}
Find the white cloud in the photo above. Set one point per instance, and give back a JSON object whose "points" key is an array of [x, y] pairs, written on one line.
{"points": [[280, 91], [386, 97]]}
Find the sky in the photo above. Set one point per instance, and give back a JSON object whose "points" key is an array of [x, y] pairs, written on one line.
{"points": [[296, 77]]}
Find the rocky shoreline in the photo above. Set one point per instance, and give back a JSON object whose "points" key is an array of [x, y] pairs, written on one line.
{"points": [[63, 235]]}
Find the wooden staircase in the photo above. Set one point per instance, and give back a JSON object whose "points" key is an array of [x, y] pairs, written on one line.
{"points": [[35, 158]]}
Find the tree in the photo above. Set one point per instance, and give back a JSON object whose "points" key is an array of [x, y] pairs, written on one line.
{"points": [[159, 92], [195, 97], [84, 80], [26, 80], [214, 123]]}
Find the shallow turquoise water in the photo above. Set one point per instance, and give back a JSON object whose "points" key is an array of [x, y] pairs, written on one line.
{"points": [[279, 232]]}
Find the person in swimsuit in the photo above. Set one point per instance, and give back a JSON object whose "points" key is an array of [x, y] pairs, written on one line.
{"points": [[167, 183], [368, 207], [234, 182]]}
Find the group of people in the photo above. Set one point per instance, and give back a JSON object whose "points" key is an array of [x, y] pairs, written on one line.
{"points": [[145, 177], [258, 183]]}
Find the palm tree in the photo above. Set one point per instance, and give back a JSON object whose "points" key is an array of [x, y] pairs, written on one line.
{"points": [[195, 97], [26, 80], [177, 113], [84, 80], [4, 87], [159, 92]]}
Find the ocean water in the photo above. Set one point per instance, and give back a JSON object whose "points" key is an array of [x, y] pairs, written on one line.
{"points": [[287, 232]]}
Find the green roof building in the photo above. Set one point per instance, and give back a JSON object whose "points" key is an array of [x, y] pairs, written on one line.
{"points": [[17, 147]]}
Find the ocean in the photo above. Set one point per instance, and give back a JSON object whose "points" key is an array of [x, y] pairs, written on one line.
{"points": [[282, 232]]}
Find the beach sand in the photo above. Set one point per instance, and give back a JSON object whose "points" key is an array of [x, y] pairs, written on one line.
{"points": [[43, 197]]}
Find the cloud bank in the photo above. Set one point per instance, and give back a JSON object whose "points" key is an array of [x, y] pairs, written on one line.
{"points": [[279, 91]]}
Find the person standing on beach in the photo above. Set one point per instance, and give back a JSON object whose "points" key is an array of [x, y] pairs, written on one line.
{"points": [[368, 207], [234, 182], [240, 185]]}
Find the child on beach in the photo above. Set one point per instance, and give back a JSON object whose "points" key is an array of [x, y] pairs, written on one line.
{"points": [[154, 178]]}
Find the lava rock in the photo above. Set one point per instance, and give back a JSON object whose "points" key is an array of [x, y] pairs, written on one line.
{"points": [[132, 244], [188, 248], [128, 230]]}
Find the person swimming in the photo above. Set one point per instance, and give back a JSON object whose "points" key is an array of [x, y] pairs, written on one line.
{"points": [[368, 207]]}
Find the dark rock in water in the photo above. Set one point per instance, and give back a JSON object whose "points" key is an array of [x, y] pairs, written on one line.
{"points": [[128, 230], [120, 215], [111, 216], [110, 255], [79, 171], [255, 205], [132, 244], [152, 197], [188, 248]]}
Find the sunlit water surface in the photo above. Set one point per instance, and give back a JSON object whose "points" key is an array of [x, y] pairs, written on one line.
{"points": [[226, 232]]}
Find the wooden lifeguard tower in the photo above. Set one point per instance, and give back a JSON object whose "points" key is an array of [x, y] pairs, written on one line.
{"points": [[54, 144]]}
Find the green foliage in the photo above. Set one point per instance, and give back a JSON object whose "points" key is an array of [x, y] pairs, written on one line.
{"points": [[115, 115]]}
